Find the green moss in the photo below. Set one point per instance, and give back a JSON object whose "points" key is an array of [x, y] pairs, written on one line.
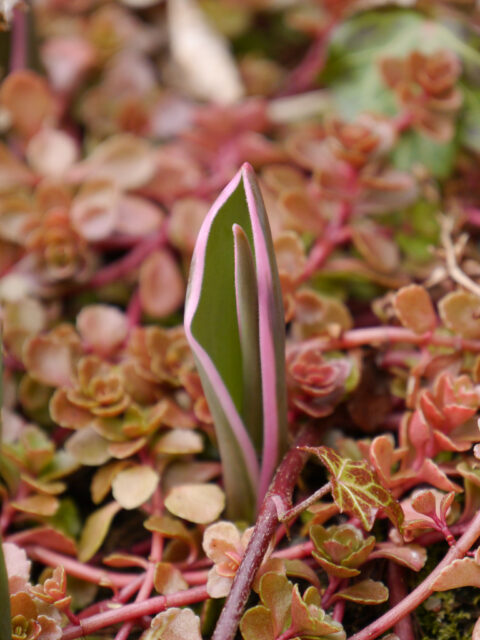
{"points": [[449, 615], [446, 615]]}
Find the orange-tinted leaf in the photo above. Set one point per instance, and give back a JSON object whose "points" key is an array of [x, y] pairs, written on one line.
{"points": [[459, 573], [460, 312], [168, 579], [103, 478], [38, 505], [133, 486], [414, 308], [364, 592], [162, 288], [95, 530], [200, 503], [256, 624]]}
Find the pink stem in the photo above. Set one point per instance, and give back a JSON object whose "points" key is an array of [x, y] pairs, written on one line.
{"points": [[304, 75], [195, 577], [142, 595], [386, 334], [333, 586], [398, 591], [133, 611], [124, 266], [339, 610], [322, 251], [334, 235], [302, 550], [134, 310], [18, 42], [80, 570], [424, 589]]}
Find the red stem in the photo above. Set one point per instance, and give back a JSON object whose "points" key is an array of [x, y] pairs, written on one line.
{"points": [[18, 42], [133, 611], [80, 570], [385, 334], [398, 591], [424, 590], [282, 486], [303, 77]]}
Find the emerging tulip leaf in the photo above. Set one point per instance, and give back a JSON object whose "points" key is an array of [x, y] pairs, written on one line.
{"points": [[235, 326]]}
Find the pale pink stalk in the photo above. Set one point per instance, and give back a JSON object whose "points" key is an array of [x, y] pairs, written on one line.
{"points": [[302, 550], [79, 569], [335, 234], [339, 611], [135, 610], [394, 335]]}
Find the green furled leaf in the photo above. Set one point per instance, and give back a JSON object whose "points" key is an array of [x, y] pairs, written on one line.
{"points": [[356, 489], [247, 315], [364, 592], [235, 325], [5, 624]]}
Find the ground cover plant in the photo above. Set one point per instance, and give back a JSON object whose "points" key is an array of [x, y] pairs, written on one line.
{"points": [[240, 308]]}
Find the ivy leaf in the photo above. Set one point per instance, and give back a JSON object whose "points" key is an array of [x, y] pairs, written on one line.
{"points": [[235, 325], [356, 489], [5, 625]]}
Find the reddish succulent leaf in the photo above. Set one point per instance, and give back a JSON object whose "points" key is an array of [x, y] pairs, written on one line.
{"points": [[162, 289], [356, 489], [412, 556]]}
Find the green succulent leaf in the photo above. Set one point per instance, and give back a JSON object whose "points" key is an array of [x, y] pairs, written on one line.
{"points": [[257, 624], [356, 489]]}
